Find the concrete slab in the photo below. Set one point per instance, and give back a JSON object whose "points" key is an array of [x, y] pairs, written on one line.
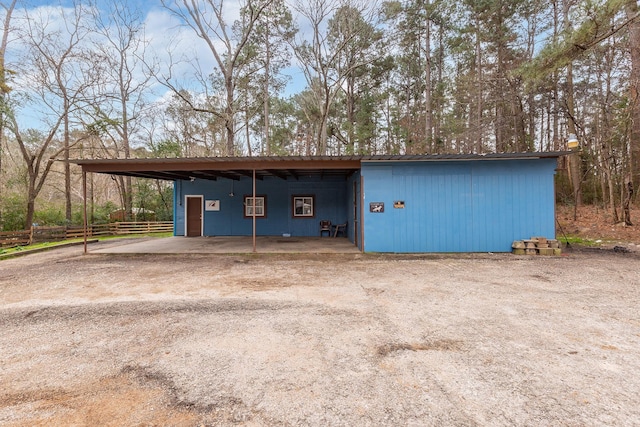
{"points": [[229, 245]]}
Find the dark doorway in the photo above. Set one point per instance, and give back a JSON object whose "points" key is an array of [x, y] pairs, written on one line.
{"points": [[194, 216], [356, 219]]}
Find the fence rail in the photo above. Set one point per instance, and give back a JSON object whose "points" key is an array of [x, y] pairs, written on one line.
{"points": [[55, 234], [14, 238]]}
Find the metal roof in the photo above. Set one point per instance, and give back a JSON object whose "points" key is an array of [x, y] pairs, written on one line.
{"points": [[283, 167]]}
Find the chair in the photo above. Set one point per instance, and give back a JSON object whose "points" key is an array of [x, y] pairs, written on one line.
{"points": [[325, 225], [340, 228]]}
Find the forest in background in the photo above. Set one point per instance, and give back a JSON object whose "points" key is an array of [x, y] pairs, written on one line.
{"points": [[80, 79]]}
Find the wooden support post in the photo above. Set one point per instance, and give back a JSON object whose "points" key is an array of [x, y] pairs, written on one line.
{"points": [[254, 210], [84, 215]]}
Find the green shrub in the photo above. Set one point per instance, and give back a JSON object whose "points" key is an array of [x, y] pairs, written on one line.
{"points": [[50, 216], [14, 212]]}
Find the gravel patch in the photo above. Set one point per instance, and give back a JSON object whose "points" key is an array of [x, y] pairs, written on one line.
{"points": [[331, 340]]}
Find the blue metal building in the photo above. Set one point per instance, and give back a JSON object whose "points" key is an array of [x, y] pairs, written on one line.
{"points": [[399, 204], [457, 206]]}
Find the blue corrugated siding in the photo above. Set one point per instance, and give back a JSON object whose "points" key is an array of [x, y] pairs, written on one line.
{"points": [[458, 206], [331, 202]]}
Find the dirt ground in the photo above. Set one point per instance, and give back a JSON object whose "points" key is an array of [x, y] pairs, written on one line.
{"points": [[330, 340], [595, 223]]}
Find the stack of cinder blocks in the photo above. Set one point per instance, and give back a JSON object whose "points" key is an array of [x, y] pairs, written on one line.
{"points": [[536, 246]]}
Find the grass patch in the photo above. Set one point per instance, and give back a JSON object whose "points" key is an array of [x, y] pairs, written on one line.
{"points": [[580, 241], [16, 249], [46, 245]]}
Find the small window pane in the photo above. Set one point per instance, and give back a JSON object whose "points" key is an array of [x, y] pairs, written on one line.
{"points": [[303, 206], [259, 207]]}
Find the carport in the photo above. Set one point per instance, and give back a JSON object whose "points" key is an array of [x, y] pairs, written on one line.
{"points": [[237, 181]]}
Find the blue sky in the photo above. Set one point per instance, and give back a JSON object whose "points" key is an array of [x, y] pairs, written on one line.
{"points": [[163, 32], [163, 29]]}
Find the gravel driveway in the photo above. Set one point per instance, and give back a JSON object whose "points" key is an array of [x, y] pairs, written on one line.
{"points": [[320, 340]]}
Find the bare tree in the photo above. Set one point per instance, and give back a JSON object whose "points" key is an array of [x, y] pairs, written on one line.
{"points": [[632, 13], [321, 56], [52, 78], [574, 159], [270, 47], [4, 86], [119, 102], [62, 64], [226, 40], [35, 148], [193, 132]]}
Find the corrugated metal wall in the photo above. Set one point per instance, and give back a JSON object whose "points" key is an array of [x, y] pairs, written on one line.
{"points": [[466, 206], [331, 202]]}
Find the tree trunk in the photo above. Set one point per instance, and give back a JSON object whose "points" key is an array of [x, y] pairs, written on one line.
{"points": [[574, 159], [31, 208], [4, 88], [322, 136], [229, 117], [631, 9], [428, 124], [479, 90], [267, 75], [351, 113], [438, 102], [628, 195], [611, 190], [67, 167], [128, 186], [247, 127]]}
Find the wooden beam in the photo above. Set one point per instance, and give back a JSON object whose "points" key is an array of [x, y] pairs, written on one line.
{"points": [[249, 174], [254, 210], [210, 164], [278, 174]]}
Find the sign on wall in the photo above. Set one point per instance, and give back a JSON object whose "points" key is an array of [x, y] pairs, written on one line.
{"points": [[212, 205], [376, 207], [398, 204]]}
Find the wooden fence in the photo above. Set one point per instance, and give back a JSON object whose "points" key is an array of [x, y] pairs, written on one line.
{"points": [[56, 234]]}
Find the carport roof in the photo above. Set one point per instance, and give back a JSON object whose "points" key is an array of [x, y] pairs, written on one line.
{"points": [[283, 167]]}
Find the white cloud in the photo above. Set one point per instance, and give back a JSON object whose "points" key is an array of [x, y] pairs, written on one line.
{"points": [[172, 45]]}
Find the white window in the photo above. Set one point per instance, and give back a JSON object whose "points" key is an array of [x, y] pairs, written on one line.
{"points": [[303, 206], [260, 208]]}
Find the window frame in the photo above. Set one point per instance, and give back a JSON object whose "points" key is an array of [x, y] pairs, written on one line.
{"points": [[246, 205], [302, 215]]}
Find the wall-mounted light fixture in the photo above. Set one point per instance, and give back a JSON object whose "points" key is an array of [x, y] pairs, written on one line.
{"points": [[192, 178], [572, 142]]}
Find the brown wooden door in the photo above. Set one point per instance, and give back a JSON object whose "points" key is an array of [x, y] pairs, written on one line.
{"points": [[194, 216]]}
